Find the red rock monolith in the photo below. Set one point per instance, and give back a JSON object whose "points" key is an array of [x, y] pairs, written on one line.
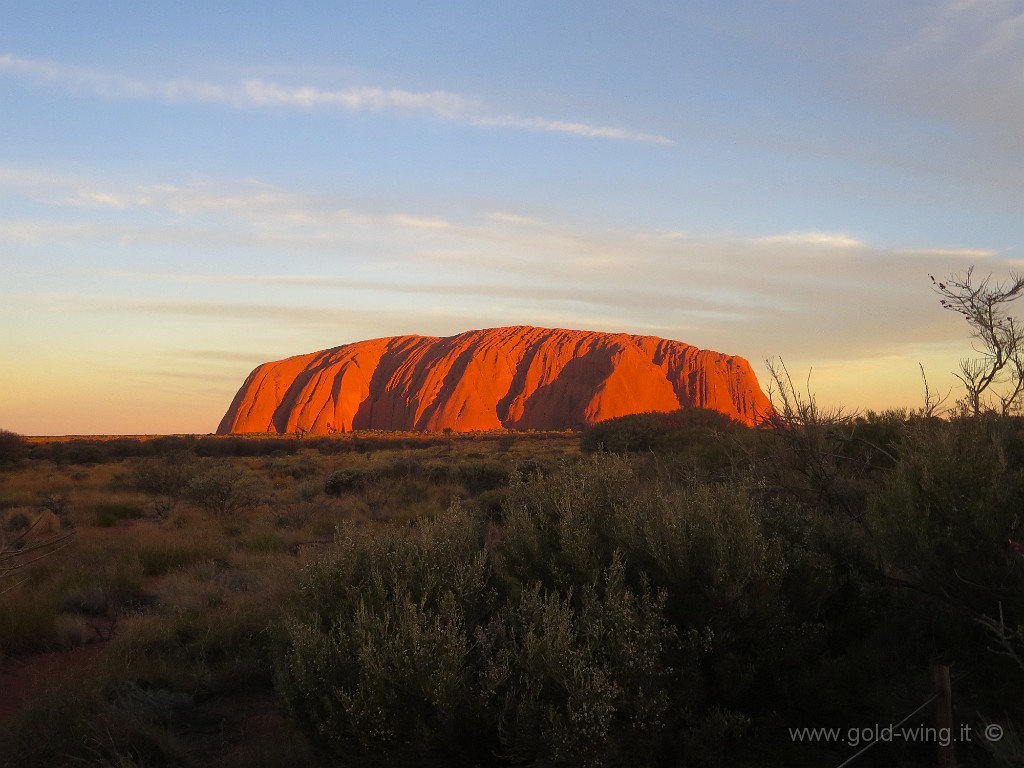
{"points": [[517, 378]]}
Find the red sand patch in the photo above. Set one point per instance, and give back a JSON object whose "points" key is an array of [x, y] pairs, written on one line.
{"points": [[21, 677]]}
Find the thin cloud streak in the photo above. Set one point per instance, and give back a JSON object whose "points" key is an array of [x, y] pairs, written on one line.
{"points": [[262, 94], [826, 239], [566, 126], [255, 93], [967, 253]]}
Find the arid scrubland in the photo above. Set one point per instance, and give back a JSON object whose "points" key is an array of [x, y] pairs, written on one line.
{"points": [[661, 590]]}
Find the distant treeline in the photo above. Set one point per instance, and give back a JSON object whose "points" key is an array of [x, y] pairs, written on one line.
{"points": [[96, 450]]}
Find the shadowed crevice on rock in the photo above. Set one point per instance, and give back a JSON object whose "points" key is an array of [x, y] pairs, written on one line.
{"points": [[384, 404], [562, 403], [290, 401]]}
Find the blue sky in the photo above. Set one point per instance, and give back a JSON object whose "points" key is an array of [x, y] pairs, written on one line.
{"points": [[190, 189]]}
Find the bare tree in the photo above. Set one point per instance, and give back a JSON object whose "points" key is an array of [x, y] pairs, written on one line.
{"points": [[1009, 639], [995, 380], [793, 407]]}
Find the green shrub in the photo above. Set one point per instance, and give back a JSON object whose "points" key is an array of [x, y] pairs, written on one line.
{"points": [[492, 503], [586, 678], [84, 452], [377, 665]]}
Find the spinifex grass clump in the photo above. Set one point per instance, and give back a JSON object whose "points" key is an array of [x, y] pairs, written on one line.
{"points": [[89, 719], [110, 513]]}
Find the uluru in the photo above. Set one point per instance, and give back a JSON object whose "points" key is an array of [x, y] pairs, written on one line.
{"points": [[516, 378]]}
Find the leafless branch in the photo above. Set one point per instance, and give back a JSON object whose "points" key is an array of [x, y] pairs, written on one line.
{"points": [[1010, 640], [932, 402], [995, 379]]}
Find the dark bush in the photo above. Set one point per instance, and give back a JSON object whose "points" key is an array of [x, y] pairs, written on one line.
{"points": [[296, 467], [85, 452], [12, 447], [949, 515], [17, 521], [76, 722], [223, 490], [694, 430], [128, 447], [110, 513], [164, 475], [172, 444], [349, 481], [480, 475], [235, 445]]}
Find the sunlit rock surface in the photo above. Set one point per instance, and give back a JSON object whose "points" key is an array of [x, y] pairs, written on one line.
{"points": [[518, 378]]}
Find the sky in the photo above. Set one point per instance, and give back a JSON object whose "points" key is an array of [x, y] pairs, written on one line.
{"points": [[190, 189]]}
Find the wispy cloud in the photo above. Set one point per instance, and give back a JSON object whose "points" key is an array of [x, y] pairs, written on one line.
{"points": [[513, 218], [199, 197], [967, 253], [567, 126], [825, 239], [421, 222], [47, 231], [257, 93]]}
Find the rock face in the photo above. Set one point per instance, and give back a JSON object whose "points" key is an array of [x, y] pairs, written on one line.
{"points": [[517, 378]]}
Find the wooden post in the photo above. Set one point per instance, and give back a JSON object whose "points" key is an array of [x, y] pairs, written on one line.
{"points": [[944, 716]]}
